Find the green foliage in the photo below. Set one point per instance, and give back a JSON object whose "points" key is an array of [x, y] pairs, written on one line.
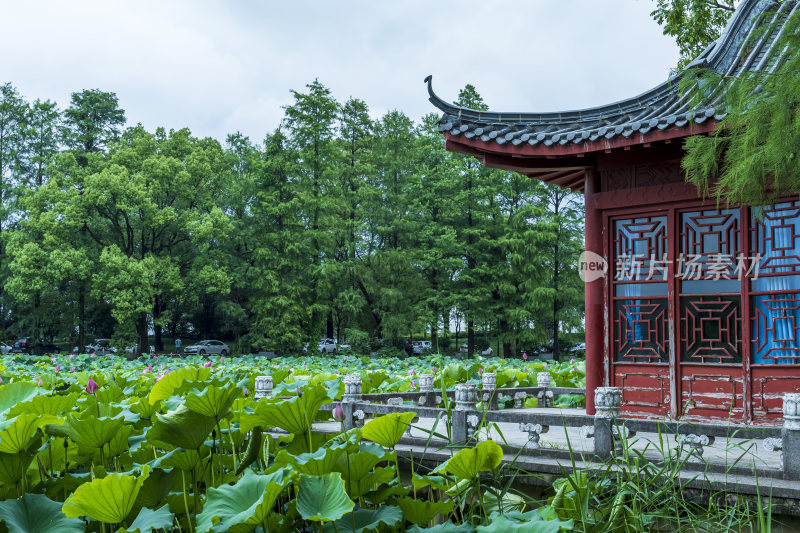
{"points": [[35, 513], [387, 430], [694, 23], [107, 499], [322, 498], [751, 158], [469, 463]]}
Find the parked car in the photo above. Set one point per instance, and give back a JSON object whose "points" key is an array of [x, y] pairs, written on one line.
{"points": [[100, 346], [208, 347], [421, 347], [327, 345], [4, 348], [28, 345]]}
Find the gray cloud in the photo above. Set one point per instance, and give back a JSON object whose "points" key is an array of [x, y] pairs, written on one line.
{"points": [[219, 67]]}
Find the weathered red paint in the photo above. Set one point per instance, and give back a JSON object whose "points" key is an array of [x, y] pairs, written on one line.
{"points": [[593, 292]]}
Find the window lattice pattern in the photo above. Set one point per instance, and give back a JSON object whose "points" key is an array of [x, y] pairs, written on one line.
{"points": [[775, 238], [711, 329], [641, 332], [709, 244], [637, 242], [776, 329]]}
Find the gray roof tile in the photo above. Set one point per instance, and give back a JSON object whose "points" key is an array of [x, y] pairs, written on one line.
{"points": [[662, 107]]}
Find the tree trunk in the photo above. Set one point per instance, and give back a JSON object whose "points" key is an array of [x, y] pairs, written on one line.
{"points": [[157, 329], [81, 316], [143, 343], [329, 325], [470, 338]]}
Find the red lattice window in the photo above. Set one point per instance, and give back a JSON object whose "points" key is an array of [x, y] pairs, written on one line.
{"points": [[776, 328], [640, 330], [775, 238], [711, 329], [709, 244]]}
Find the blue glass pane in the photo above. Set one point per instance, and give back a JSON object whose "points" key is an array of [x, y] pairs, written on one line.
{"points": [[776, 328]]}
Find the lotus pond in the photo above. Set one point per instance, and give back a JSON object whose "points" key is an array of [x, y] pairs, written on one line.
{"points": [[99, 443]]}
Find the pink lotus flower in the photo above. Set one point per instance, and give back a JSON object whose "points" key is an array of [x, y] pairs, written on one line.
{"points": [[72, 356], [40, 383], [73, 369], [338, 413], [92, 355], [525, 355], [58, 368], [411, 372], [167, 371], [91, 386], [413, 384], [53, 359], [221, 360], [208, 364]]}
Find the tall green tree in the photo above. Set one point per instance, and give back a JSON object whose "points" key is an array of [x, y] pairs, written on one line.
{"points": [[693, 23]]}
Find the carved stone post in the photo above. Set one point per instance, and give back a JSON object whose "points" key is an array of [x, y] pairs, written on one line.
{"points": [[489, 390], [607, 402], [534, 432], [790, 436], [545, 397], [263, 387], [352, 394], [426, 389], [466, 398]]}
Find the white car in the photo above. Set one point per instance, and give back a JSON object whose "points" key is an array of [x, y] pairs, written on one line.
{"points": [[327, 345], [421, 347], [4, 348], [101, 346], [208, 347]]}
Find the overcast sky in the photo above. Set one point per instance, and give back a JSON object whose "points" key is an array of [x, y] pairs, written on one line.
{"points": [[219, 67]]}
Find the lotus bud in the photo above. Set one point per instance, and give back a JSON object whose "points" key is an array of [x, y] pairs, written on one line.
{"points": [[525, 355], [411, 372], [53, 360], [221, 360], [338, 413], [92, 386], [246, 392], [207, 364], [299, 392], [73, 369], [58, 368], [40, 383], [72, 356]]}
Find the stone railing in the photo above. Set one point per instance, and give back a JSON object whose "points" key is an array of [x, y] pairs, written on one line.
{"points": [[606, 428]]}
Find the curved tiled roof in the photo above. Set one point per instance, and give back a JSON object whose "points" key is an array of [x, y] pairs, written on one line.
{"points": [[738, 50]]}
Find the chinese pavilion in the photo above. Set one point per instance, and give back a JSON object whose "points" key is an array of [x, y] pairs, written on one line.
{"points": [[698, 313]]}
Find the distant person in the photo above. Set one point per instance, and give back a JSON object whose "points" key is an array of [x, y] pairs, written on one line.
{"points": [[177, 346], [409, 347]]}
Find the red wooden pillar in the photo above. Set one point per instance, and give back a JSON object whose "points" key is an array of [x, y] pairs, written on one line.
{"points": [[594, 294]]}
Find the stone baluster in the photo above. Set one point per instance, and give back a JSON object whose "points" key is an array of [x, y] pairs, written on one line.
{"points": [[352, 395], [534, 432], [426, 389], [519, 399], [466, 398], [545, 397], [790, 436], [263, 387], [607, 402], [696, 443], [489, 390]]}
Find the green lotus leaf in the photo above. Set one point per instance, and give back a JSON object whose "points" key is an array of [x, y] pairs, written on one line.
{"points": [[155, 489], [421, 512], [213, 401], [509, 502], [186, 460], [109, 499], [363, 520], [323, 498], [87, 431], [166, 385], [318, 463], [516, 522], [45, 405], [182, 427], [364, 484], [36, 513], [294, 415], [357, 465], [17, 436], [145, 409], [147, 520], [13, 466], [16, 393], [436, 482], [468, 463], [239, 508], [387, 430], [447, 527]]}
